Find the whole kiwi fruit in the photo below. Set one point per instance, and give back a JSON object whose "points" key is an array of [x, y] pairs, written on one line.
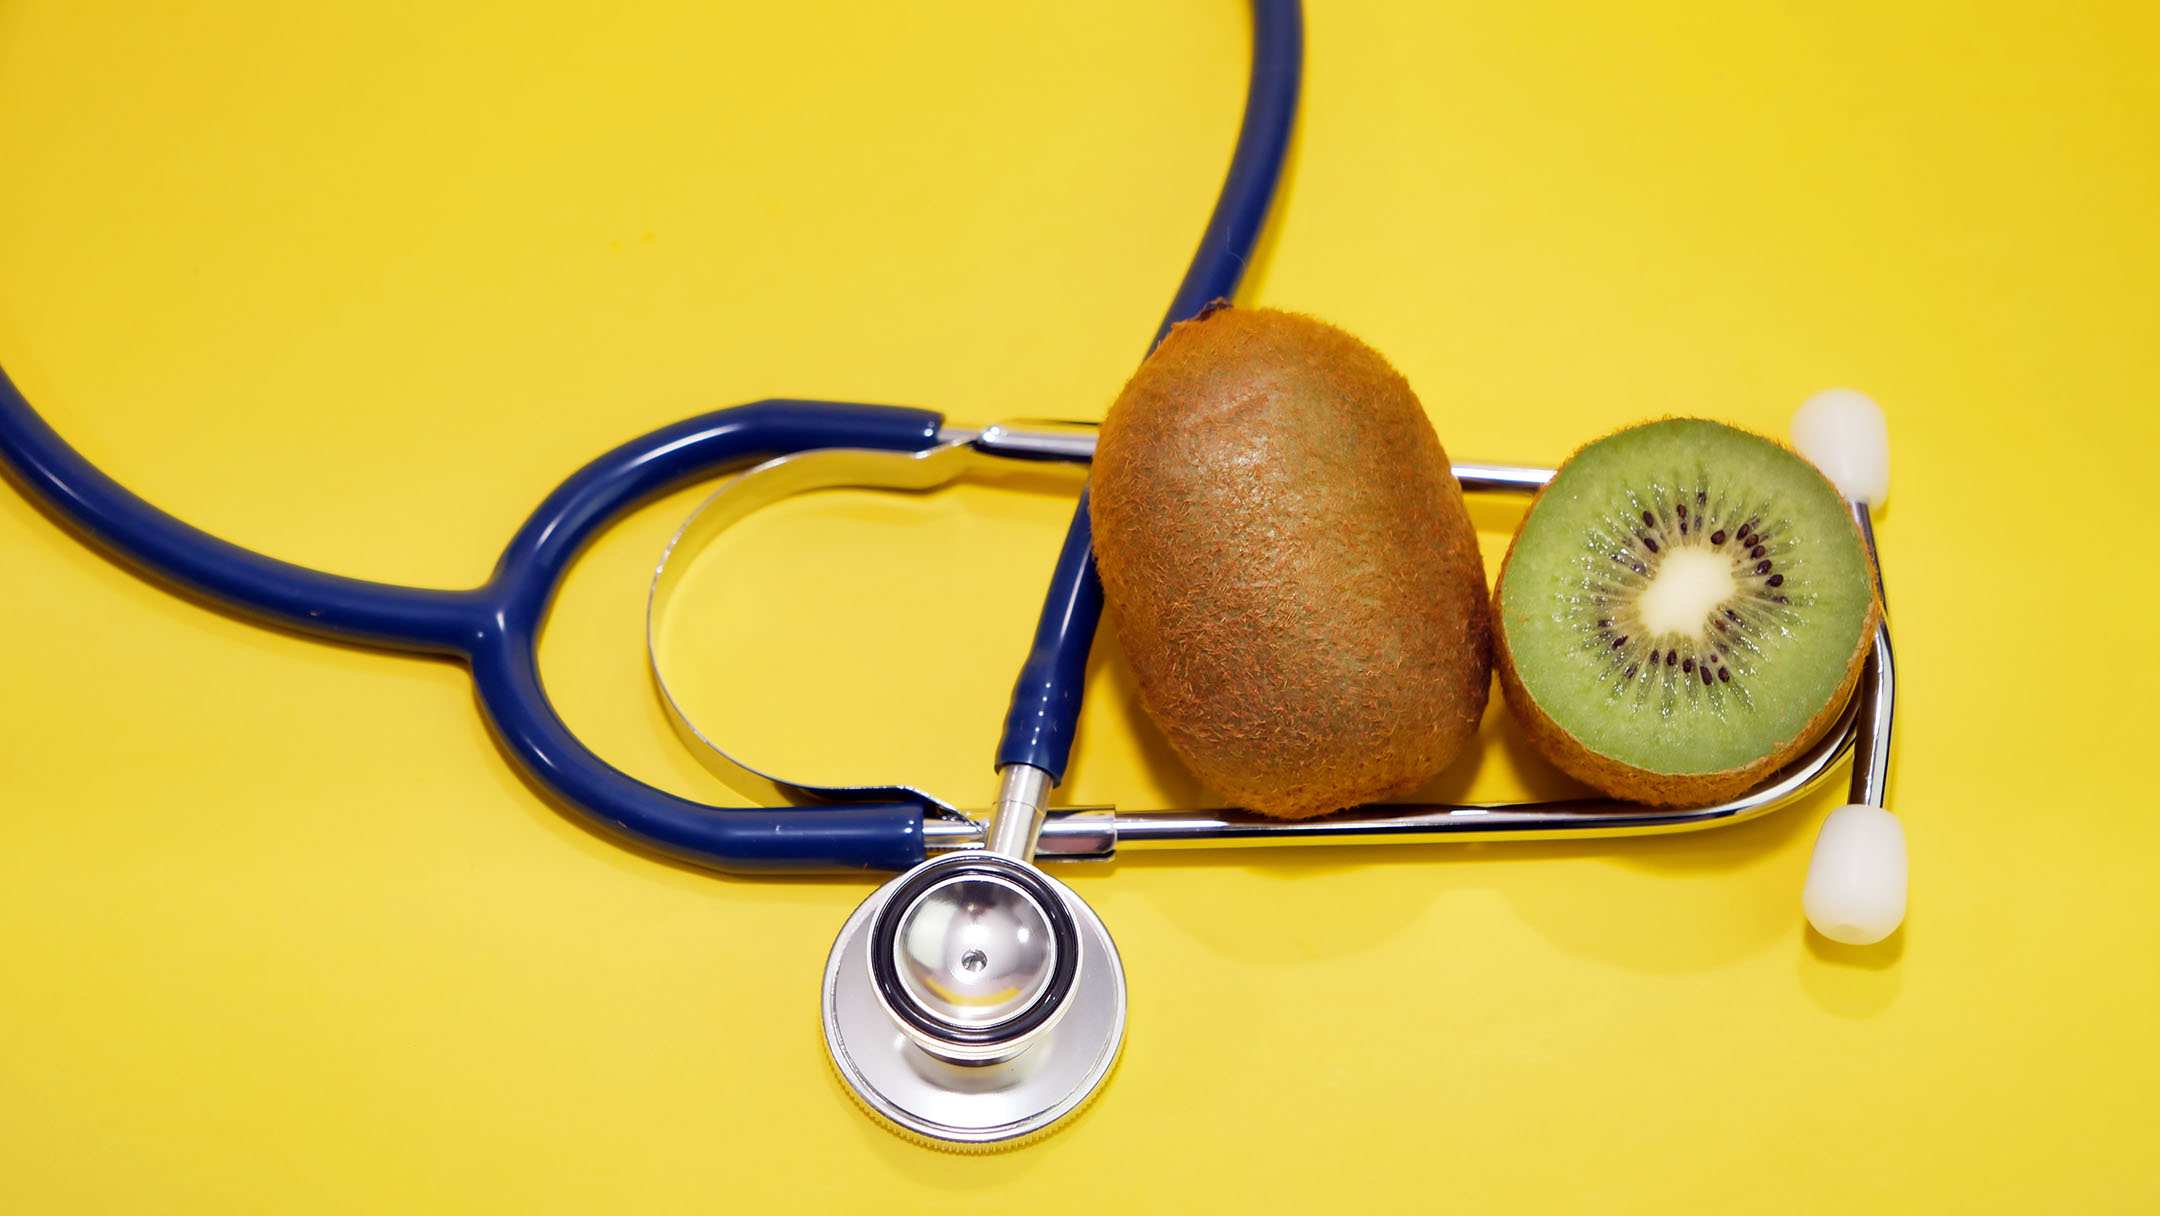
{"points": [[1290, 565], [1685, 608]]}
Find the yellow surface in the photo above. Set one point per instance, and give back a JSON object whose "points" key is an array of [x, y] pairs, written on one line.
{"points": [[356, 284]]}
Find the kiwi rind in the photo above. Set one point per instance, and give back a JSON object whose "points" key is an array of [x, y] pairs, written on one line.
{"points": [[1290, 565], [1639, 784]]}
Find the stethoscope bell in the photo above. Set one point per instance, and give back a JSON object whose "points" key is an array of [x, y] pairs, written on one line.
{"points": [[974, 957], [974, 1002]]}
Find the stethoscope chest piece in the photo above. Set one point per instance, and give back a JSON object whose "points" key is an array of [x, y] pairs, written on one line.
{"points": [[974, 1002]]}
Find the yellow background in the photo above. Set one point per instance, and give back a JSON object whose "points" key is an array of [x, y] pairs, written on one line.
{"points": [[356, 284]]}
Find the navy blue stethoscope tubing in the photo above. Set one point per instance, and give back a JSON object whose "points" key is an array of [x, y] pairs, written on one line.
{"points": [[495, 627], [1045, 709]]}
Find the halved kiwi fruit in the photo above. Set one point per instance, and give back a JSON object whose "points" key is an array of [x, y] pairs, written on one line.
{"points": [[1684, 609]]}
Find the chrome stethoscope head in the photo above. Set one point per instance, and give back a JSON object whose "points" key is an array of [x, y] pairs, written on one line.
{"points": [[974, 1001]]}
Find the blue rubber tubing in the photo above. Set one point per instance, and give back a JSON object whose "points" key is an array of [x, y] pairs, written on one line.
{"points": [[1045, 713], [495, 627]]}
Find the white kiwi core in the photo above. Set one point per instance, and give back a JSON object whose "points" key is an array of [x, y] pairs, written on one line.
{"points": [[1690, 584]]}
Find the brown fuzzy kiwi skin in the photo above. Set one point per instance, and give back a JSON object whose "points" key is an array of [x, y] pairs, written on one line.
{"points": [[1632, 784], [1290, 564]]}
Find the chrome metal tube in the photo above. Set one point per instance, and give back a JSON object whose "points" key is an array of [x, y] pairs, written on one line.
{"points": [[1035, 439], [1506, 478], [1072, 441], [1016, 818], [1877, 698], [1097, 832], [1878, 689]]}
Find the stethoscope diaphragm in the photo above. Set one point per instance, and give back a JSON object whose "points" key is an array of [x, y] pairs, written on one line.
{"points": [[973, 1002]]}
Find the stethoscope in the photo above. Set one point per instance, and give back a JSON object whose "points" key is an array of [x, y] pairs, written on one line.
{"points": [[973, 1000]]}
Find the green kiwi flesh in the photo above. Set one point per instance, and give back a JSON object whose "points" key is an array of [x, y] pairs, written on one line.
{"points": [[1290, 565], [1685, 607]]}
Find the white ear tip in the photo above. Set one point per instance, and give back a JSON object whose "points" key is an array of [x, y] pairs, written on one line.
{"points": [[1842, 432], [1856, 881]]}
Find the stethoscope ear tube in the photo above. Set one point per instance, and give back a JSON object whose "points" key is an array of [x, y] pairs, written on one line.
{"points": [[1857, 876]]}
